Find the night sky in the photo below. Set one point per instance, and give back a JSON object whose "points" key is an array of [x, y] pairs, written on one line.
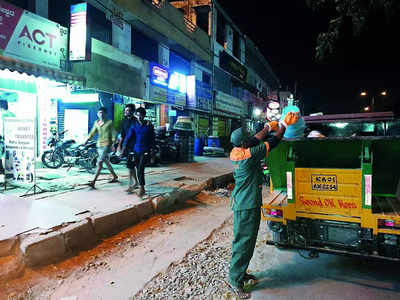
{"points": [[286, 32]]}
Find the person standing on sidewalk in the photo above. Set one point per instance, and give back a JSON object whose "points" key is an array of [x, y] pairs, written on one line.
{"points": [[127, 122], [104, 130], [246, 198], [144, 132]]}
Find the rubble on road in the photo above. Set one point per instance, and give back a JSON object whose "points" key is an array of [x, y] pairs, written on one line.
{"points": [[222, 193], [201, 274]]}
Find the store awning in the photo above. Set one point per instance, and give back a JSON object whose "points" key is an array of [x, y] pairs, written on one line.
{"points": [[40, 71]]}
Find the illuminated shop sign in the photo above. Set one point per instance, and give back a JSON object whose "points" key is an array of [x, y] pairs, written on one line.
{"points": [[31, 38], [159, 75], [178, 82], [79, 39]]}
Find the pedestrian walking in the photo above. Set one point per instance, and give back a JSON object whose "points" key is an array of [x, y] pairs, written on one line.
{"points": [[127, 122], [144, 133], [246, 198], [104, 129]]}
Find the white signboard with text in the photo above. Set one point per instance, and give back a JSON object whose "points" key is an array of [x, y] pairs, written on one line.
{"points": [[19, 142], [228, 103]]}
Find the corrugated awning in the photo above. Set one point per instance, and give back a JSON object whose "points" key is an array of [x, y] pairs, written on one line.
{"points": [[41, 71]]}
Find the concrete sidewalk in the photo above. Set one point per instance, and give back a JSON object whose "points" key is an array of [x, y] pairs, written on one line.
{"points": [[46, 228]]}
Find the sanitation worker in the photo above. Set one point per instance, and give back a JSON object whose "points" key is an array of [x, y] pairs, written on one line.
{"points": [[246, 197]]}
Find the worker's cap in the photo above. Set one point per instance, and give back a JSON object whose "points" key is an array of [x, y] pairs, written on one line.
{"points": [[238, 136]]}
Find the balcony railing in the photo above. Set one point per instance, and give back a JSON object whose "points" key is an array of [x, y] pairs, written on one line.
{"points": [[190, 26]]}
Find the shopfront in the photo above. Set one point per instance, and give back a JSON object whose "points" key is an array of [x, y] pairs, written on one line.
{"points": [[168, 94], [32, 79], [228, 114], [199, 102]]}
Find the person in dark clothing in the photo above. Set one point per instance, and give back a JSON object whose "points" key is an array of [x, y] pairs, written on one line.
{"points": [[144, 133], [246, 197], [127, 122]]}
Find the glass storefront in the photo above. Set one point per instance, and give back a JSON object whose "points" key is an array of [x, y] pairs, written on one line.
{"points": [[28, 111]]}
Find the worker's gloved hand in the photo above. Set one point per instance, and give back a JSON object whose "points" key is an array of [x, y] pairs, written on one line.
{"points": [[290, 119], [273, 126]]}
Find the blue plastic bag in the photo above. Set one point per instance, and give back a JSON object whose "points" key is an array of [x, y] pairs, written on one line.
{"points": [[295, 130]]}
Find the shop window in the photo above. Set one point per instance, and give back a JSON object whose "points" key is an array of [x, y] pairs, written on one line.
{"points": [[101, 27], [206, 78], [143, 46], [236, 44], [221, 25], [202, 20]]}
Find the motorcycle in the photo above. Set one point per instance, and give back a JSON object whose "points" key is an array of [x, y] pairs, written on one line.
{"points": [[166, 149], [70, 153], [150, 157], [162, 151]]}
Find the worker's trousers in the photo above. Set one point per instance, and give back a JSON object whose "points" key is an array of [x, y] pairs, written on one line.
{"points": [[245, 228]]}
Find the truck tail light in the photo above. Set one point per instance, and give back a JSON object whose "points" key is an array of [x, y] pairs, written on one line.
{"points": [[389, 224], [275, 213]]}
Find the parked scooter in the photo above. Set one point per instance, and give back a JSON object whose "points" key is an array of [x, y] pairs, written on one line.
{"points": [[70, 153]]}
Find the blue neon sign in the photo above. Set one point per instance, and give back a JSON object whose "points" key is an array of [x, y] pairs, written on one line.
{"points": [[159, 75]]}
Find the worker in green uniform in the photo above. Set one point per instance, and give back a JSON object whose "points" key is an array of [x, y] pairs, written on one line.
{"points": [[246, 198]]}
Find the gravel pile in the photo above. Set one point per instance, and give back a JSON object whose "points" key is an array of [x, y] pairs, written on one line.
{"points": [[201, 274]]}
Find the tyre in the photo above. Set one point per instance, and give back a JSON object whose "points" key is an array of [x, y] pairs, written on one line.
{"points": [[52, 160], [91, 162]]}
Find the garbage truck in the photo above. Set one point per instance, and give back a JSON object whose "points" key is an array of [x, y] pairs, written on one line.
{"points": [[339, 194]]}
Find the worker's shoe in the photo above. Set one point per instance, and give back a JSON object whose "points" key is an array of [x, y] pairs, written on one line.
{"points": [[141, 191], [240, 292], [248, 277]]}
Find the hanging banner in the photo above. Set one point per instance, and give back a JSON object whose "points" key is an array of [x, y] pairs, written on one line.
{"points": [[47, 120], [19, 142], [31, 38]]}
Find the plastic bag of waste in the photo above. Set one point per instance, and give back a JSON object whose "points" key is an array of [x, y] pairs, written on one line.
{"points": [[295, 130]]}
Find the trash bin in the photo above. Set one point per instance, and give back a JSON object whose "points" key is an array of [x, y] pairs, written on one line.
{"points": [[185, 141], [213, 141], [198, 146]]}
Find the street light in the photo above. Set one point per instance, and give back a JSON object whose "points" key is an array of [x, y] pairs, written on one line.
{"points": [[372, 106]]}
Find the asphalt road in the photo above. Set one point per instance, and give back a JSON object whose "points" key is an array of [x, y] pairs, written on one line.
{"points": [[185, 255], [286, 275]]}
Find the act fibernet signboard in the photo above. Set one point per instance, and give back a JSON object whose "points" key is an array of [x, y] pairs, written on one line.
{"points": [[31, 38]]}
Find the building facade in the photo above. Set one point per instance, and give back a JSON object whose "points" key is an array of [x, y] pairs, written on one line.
{"points": [[175, 58]]}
